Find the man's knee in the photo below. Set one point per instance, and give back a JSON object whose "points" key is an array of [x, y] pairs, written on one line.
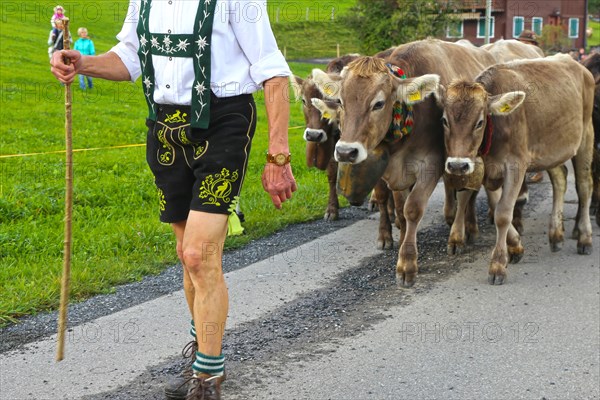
{"points": [[202, 260]]}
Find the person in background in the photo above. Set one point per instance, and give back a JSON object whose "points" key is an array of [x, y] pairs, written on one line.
{"points": [[85, 46], [530, 37], [200, 61], [55, 40], [58, 14]]}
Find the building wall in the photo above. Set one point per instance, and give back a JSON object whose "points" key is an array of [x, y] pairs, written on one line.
{"points": [[504, 12]]}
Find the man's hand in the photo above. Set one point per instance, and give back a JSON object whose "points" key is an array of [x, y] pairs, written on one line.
{"points": [[63, 72], [279, 182]]}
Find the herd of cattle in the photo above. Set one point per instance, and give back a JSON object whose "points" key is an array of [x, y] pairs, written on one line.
{"points": [[401, 120]]}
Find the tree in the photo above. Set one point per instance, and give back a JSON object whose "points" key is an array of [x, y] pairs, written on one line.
{"points": [[381, 24], [554, 39], [594, 7]]}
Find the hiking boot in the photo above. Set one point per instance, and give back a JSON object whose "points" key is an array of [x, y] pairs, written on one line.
{"points": [[177, 388], [205, 387]]}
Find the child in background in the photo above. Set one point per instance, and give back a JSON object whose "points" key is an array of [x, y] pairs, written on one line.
{"points": [[58, 14], [86, 47]]}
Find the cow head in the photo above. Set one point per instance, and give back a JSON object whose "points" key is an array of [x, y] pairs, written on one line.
{"points": [[320, 133], [362, 99], [466, 110]]}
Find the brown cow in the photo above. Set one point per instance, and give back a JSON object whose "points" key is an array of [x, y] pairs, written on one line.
{"points": [[510, 50], [553, 125], [368, 92], [592, 62], [504, 51], [321, 135]]}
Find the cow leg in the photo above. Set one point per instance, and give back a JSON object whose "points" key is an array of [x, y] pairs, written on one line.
{"points": [[503, 220], [399, 201], [331, 214], [582, 164], [493, 197], [384, 238], [414, 208], [450, 203], [558, 178], [456, 240], [472, 226], [519, 206]]}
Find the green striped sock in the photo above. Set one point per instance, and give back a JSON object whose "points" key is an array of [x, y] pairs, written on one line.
{"points": [[209, 364], [193, 330]]}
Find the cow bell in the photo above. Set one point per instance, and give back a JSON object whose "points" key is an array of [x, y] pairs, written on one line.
{"points": [[355, 181], [472, 181]]}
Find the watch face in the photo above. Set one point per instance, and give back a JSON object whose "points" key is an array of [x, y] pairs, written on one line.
{"points": [[280, 159]]}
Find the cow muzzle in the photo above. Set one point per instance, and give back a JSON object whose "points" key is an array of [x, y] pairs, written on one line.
{"points": [[315, 135], [459, 166], [464, 173], [355, 181], [352, 153]]}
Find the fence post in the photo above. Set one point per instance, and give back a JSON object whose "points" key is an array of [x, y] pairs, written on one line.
{"points": [[332, 13], [338, 50]]}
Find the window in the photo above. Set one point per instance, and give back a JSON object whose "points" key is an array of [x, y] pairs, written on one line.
{"points": [[518, 26], [536, 25], [455, 29], [481, 27], [573, 27]]}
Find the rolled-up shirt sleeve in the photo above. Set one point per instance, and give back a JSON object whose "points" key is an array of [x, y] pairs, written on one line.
{"points": [[253, 32], [128, 45]]}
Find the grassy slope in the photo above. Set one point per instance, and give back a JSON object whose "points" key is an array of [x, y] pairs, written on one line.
{"points": [[117, 237]]}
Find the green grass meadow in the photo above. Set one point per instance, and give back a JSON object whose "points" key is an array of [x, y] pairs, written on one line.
{"points": [[117, 237]]}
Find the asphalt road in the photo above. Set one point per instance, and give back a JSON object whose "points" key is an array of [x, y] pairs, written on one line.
{"points": [[318, 316]]}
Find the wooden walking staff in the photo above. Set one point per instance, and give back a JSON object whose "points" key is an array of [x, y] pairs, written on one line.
{"points": [[66, 276]]}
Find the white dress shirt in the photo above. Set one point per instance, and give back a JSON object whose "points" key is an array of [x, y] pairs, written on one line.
{"points": [[244, 52]]}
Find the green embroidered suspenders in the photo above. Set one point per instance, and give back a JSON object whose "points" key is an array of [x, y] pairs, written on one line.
{"points": [[196, 46]]}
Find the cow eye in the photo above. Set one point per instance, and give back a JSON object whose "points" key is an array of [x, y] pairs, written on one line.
{"points": [[445, 122], [303, 101], [379, 105], [479, 124]]}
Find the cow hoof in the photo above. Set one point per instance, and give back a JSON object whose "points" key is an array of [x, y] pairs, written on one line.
{"points": [[584, 249], [386, 244], [455, 249], [331, 216], [404, 280], [515, 258], [496, 279], [496, 273], [554, 247]]}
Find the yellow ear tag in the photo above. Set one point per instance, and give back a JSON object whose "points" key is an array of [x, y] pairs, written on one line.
{"points": [[505, 108], [414, 96], [326, 115], [328, 91]]}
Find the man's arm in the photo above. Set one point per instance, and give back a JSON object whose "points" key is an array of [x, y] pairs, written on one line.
{"points": [[107, 66], [278, 181]]}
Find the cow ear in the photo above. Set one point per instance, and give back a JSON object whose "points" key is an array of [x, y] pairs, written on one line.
{"points": [[416, 90], [504, 104], [441, 96], [328, 109], [296, 83], [328, 85]]}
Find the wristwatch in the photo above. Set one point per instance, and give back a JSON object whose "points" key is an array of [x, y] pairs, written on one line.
{"points": [[279, 159]]}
